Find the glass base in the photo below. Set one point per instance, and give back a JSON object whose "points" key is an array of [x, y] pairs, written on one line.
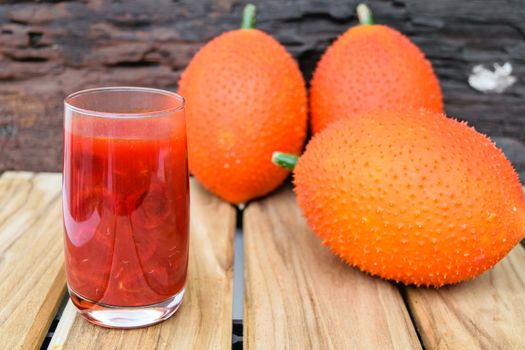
{"points": [[123, 317]]}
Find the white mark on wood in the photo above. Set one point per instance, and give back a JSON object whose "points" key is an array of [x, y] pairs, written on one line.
{"points": [[492, 81]]}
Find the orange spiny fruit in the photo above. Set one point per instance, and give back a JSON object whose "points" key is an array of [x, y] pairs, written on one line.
{"points": [[371, 67], [410, 196], [245, 96]]}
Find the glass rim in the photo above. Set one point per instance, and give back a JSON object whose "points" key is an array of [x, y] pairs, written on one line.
{"points": [[102, 114]]}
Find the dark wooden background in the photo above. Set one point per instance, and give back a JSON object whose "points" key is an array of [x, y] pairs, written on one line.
{"points": [[51, 48]]}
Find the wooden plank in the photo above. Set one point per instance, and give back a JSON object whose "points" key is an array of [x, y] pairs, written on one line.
{"points": [[299, 295], [204, 320], [32, 279], [484, 313]]}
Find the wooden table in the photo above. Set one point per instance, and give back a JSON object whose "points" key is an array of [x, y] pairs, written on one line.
{"points": [[297, 294]]}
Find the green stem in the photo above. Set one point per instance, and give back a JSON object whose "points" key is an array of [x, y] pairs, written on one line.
{"points": [[248, 17], [364, 15], [285, 160]]}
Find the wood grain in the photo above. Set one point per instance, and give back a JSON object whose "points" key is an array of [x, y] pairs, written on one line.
{"points": [[204, 320], [51, 48], [32, 279], [300, 296], [484, 313]]}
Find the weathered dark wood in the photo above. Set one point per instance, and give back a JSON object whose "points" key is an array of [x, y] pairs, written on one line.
{"points": [[51, 48]]}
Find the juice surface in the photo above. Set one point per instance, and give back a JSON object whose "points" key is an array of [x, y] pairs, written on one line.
{"points": [[126, 209]]}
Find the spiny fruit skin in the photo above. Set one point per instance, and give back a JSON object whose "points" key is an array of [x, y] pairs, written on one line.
{"points": [[371, 67], [411, 196], [245, 98]]}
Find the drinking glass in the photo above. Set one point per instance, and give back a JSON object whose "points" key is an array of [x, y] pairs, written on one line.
{"points": [[125, 204]]}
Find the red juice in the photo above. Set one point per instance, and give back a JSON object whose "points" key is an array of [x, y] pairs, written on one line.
{"points": [[126, 209]]}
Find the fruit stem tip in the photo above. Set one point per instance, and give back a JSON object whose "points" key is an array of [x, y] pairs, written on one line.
{"points": [[285, 160], [364, 15], [248, 17]]}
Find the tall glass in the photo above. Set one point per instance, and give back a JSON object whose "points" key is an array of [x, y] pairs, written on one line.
{"points": [[126, 204]]}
